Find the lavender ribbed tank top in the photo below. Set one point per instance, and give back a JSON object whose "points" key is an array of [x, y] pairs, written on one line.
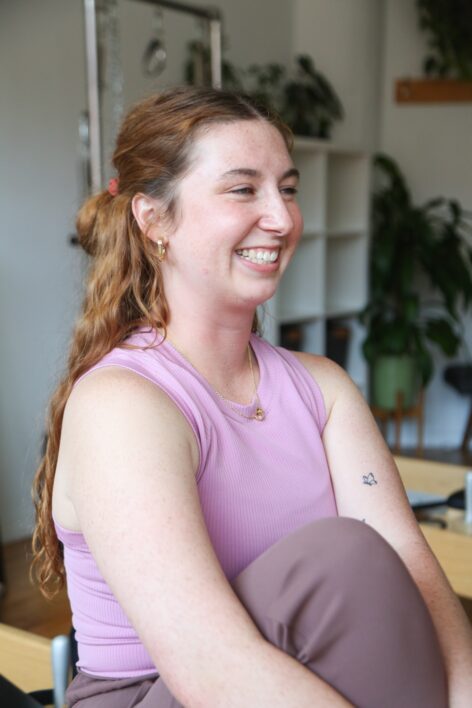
{"points": [[257, 481]]}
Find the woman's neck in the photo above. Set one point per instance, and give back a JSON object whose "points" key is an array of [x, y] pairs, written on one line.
{"points": [[218, 353]]}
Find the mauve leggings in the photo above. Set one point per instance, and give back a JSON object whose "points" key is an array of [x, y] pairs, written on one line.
{"points": [[335, 596]]}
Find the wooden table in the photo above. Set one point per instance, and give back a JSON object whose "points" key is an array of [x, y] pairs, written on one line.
{"points": [[25, 659], [452, 545]]}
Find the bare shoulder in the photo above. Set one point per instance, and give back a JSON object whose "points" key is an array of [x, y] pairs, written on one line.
{"points": [[115, 415], [113, 383], [333, 380], [113, 393], [114, 399]]}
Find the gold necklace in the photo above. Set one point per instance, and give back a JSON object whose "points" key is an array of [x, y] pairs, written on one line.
{"points": [[259, 413]]}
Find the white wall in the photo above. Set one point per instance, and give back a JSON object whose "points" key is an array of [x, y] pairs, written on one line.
{"points": [[42, 80], [433, 146], [345, 40], [43, 91]]}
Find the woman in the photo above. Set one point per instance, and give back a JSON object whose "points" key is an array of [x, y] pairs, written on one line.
{"points": [[196, 475]]}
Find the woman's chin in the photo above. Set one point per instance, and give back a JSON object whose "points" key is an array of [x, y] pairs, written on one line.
{"points": [[262, 296]]}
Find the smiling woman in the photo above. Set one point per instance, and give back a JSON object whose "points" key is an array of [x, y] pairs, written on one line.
{"points": [[223, 212], [195, 475]]}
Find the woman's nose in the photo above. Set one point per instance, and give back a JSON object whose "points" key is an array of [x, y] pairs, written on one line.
{"points": [[276, 216]]}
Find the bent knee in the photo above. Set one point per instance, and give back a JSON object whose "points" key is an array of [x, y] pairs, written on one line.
{"points": [[343, 547]]}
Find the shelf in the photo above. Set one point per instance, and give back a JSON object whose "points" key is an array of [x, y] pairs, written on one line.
{"points": [[346, 275], [316, 145], [433, 91], [309, 336], [346, 233], [303, 143], [312, 190], [314, 337], [347, 187], [301, 292], [307, 235], [339, 314], [328, 273], [301, 317]]}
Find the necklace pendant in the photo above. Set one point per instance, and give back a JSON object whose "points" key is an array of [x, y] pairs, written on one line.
{"points": [[259, 414]]}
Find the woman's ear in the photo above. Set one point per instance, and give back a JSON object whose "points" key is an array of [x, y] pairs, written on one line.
{"points": [[146, 211]]}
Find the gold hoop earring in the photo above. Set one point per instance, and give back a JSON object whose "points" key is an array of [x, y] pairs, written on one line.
{"points": [[161, 250]]}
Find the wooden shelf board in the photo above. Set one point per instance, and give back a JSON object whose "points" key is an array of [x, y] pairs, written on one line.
{"points": [[347, 232], [307, 144], [342, 311], [432, 91], [299, 317], [312, 233]]}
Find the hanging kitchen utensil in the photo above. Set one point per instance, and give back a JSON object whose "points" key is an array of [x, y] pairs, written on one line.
{"points": [[155, 55]]}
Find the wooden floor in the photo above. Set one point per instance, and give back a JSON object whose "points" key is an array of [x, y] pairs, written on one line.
{"points": [[22, 604]]}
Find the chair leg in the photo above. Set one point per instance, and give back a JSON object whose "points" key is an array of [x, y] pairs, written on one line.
{"points": [[467, 432], [398, 420], [60, 659], [420, 422]]}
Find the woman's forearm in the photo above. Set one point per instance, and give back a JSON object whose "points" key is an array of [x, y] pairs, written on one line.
{"points": [[451, 623], [267, 676]]}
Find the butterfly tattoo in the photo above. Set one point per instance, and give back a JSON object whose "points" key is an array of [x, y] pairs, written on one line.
{"points": [[369, 479]]}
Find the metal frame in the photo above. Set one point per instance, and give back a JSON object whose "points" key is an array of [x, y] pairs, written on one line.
{"points": [[212, 16]]}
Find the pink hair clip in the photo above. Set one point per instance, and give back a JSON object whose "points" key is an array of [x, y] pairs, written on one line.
{"points": [[113, 186]]}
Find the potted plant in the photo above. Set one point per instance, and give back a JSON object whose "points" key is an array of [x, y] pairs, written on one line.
{"points": [[303, 96], [420, 274], [448, 24]]}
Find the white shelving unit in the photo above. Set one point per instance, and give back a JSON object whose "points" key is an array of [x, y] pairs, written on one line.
{"points": [[327, 277]]}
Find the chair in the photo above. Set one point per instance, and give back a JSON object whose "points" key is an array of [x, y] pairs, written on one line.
{"points": [[31, 662], [459, 376], [398, 414]]}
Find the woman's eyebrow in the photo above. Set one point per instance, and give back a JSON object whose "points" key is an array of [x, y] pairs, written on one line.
{"points": [[241, 171], [248, 172]]}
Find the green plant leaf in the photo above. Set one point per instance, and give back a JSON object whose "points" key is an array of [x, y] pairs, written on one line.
{"points": [[425, 365], [442, 333], [434, 203], [448, 28]]}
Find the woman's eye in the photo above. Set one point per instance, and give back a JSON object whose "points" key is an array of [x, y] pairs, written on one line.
{"points": [[243, 190], [289, 191]]}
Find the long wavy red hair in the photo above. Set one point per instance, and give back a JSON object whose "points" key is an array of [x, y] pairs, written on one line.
{"points": [[124, 289]]}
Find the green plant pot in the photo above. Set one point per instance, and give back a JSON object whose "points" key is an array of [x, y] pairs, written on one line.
{"points": [[393, 374]]}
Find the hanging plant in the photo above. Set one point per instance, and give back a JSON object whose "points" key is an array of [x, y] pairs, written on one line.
{"points": [[448, 24]]}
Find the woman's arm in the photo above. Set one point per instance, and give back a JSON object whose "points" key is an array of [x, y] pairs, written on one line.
{"points": [[131, 459], [367, 486]]}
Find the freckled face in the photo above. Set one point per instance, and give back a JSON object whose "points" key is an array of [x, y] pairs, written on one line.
{"points": [[237, 222]]}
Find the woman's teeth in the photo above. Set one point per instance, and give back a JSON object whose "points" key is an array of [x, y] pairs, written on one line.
{"points": [[258, 256]]}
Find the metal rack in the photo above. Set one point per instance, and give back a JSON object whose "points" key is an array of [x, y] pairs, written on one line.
{"points": [[212, 16]]}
